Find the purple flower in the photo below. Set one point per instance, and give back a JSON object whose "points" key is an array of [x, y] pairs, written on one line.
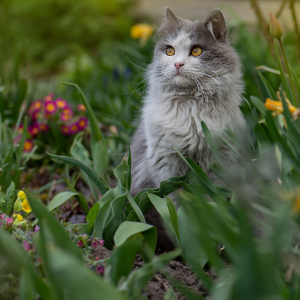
{"points": [[94, 244], [26, 246], [101, 242], [36, 228], [100, 270]]}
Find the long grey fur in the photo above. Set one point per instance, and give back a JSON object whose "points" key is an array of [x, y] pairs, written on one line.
{"points": [[174, 106]]}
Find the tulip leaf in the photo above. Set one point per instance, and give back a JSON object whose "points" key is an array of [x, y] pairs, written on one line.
{"points": [[129, 229], [59, 199], [100, 182], [92, 215], [267, 86], [123, 257]]}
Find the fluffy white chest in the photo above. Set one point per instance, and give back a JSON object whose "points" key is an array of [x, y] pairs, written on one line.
{"points": [[177, 124]]}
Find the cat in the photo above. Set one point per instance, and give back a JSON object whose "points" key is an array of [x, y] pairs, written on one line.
{"points": [[195, 76]]}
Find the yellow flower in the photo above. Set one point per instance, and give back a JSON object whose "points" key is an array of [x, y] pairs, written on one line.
{"points": [[19, 217], [275, 27], [25, 206], [141, 31], [277, 106], [22, 195]]}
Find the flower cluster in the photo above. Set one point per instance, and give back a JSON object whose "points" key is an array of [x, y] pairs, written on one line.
{"points": [[43, 111]]}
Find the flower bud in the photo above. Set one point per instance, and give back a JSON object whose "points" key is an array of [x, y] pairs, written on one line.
{"points": [[275, 27]]}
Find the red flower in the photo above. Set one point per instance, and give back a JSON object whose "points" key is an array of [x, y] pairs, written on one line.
{"points": [[94, 244], [100, 270]]}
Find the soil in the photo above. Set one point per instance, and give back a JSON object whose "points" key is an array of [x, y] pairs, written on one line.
{"points": [[159, 284], [71, 212]]}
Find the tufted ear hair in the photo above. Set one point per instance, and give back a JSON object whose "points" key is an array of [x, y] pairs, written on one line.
{"points": [[169, 16], [216, 24]]}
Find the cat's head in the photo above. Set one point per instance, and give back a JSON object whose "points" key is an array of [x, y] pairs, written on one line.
{"points": [[194, 54]]}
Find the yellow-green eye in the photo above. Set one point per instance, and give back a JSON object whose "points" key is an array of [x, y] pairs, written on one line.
{"points": [[170, 51], [196, 51]]}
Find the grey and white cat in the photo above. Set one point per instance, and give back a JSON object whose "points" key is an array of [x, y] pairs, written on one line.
{"points": [[194, 76]]}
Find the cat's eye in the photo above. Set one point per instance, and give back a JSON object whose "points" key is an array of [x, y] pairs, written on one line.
{"points": [[170, 51], [196, 51]]}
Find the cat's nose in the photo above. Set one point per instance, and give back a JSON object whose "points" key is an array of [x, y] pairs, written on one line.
{"points": [[178, 65]]}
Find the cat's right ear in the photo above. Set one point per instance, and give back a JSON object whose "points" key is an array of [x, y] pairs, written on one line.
{"points": [[169, 16]]}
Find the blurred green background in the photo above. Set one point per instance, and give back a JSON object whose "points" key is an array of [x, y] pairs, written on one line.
{"points": [[88, 43]]}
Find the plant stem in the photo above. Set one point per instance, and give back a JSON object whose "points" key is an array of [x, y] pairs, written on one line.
{"points": [[289, 71], [280, 10], [263, 24], [292, 6]]}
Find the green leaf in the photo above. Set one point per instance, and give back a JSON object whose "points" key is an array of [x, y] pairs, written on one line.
{"points": [[92, 215], [170, 295], [174, 219], [10, 198], [128, 229], [204, 180], [98, 142], [283, 78], [18, 259], [61, 236], [193, 251], [59, 199], [100, 182], [267, 86], [76, 280], [123, 257], [26, 286], [210, 142], [258, 104], [296, 82], [166, 187]]}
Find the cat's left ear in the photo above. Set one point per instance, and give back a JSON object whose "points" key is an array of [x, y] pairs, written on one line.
{"points": [[216, 24]]}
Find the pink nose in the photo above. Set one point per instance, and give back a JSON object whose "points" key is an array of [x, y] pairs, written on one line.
{"points": [[178, 65]]}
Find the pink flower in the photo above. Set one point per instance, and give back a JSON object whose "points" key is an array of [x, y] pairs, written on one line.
{"points": [[33, 129], [94, 244], [60, 103], [65, 129], [9, 221], [50, 108], [49, 98], [82, 122], [36, 228], [101, 242], [67, 114], [2, 217], [74, 128], [28, 145], [100, 270], [81, 107], [80, 243], [43, 127], [35, 106], [26, 246]]}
